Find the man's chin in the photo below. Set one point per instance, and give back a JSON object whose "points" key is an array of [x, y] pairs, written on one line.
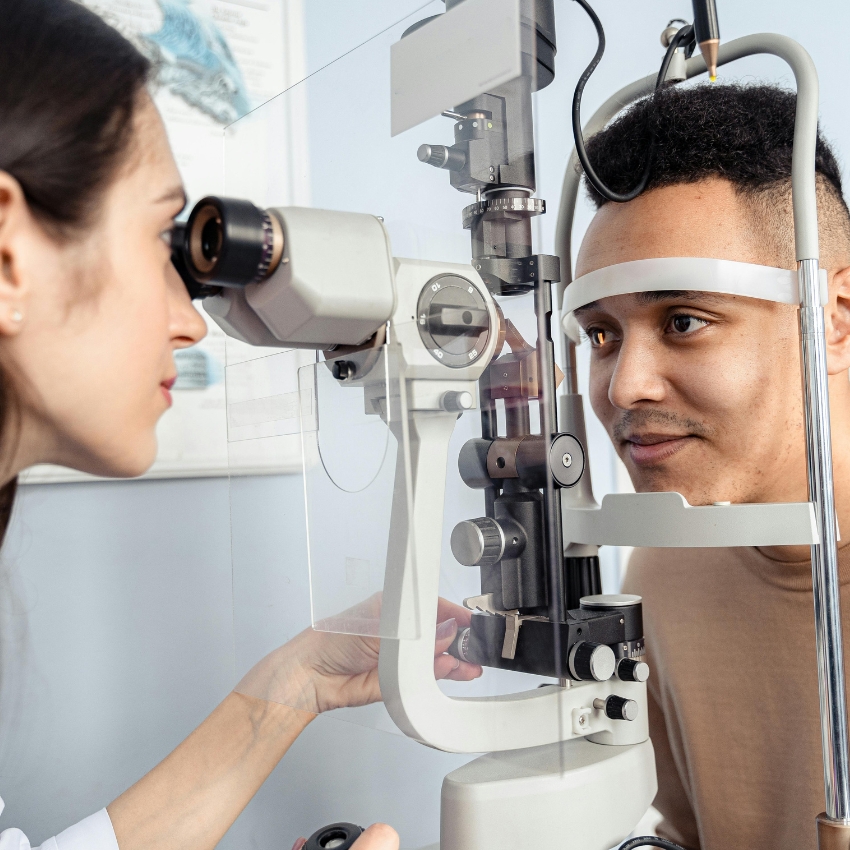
{"points": [[672, 481], [695, 497]]}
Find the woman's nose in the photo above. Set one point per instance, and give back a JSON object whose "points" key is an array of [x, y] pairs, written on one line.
{"points": [[187, 325], [638, 374]]}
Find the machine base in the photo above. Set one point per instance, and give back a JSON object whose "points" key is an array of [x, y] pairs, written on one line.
{"points": [[574, 794], [832, 835]]}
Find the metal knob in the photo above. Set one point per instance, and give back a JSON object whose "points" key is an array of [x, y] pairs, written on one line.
{"points": [[457, 401], [617, 708], [590, 660], [478, 542], [441, 157], [631, 670]]}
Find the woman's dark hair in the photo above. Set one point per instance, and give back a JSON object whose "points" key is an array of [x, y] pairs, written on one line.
{"points": [[69, 85]]}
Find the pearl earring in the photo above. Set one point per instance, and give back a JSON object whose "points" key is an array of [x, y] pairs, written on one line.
{"points": [[17, 316]]}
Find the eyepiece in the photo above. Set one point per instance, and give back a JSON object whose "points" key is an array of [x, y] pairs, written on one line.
{"points": [[231, 242]]}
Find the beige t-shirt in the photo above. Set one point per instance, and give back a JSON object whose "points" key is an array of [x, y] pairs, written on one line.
{"points": [[733, 706]]}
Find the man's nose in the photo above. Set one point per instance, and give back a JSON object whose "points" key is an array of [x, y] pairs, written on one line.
{"points": [[638, 374]]}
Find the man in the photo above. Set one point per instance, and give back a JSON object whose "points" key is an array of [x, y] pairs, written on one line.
{"points": [[701, 394]]}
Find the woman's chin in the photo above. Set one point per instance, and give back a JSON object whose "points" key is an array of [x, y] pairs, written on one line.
{"points": [[124, 462]]}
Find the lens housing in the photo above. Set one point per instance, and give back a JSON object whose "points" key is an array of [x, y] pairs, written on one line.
{"points": [[230, 242]]}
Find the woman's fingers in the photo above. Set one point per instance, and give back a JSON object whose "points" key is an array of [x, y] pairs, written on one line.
{"points": [[448, 610], [299, 843], [379, 836], [446, 632], [449, 667]]}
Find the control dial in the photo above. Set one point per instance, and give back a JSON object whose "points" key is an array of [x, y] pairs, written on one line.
{"points": [[478, 542], [589, 660], [453, 320], [617, 708]]}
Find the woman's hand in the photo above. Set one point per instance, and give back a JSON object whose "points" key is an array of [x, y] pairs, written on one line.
{"points": [[318, 671]]}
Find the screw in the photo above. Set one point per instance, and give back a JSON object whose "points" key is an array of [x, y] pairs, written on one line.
{"points": [[582, 720], [492, 177], [492, 168], [567, 460]]}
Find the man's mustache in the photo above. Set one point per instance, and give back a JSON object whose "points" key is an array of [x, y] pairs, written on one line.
{"points": [[638, 420]]}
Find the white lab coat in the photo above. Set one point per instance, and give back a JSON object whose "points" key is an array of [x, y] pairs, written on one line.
{"points": [[93, 833]]}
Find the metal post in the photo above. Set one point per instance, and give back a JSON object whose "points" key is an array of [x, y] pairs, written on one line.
{"points": [[833, 702], [548, 428]]}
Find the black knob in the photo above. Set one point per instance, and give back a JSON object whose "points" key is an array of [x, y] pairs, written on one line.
{"points": [[632, 670], [337, 836], [344, 370], [617, 708], [590, 660]]}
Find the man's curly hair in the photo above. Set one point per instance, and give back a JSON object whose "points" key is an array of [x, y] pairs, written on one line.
{"points": [[740, 133]]}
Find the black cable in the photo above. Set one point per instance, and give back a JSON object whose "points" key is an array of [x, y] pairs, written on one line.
{"points": [[650, 841], [684, 35]]}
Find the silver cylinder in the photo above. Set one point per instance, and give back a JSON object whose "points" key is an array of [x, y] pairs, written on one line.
{"points": [[833, 702]]}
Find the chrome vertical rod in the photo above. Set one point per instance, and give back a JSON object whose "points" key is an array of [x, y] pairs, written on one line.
{"points": [[833, 701]]}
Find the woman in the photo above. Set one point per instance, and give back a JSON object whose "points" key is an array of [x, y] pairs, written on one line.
{"points": [[91, 311]]}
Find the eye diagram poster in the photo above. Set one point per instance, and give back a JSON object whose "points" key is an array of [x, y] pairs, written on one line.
{"points": [[216, 61]]}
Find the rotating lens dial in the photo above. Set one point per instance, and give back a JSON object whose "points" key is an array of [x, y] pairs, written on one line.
{"points": [[453, 320]]}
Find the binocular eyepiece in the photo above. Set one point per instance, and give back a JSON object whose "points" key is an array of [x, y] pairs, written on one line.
{"points": [[226, 242]]}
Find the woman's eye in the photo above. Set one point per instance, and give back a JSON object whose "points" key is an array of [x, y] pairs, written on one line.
{"points": [[167, 235], [684, 324]]}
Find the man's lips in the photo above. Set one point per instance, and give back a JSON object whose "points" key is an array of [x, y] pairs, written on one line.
{"points": [[649, 449]]}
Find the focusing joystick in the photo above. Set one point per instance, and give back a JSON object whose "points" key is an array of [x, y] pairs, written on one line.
{"points": [[336, 836]]}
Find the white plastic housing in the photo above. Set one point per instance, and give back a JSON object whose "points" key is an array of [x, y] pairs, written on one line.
{"points": [[576, 796], [334, 284]]}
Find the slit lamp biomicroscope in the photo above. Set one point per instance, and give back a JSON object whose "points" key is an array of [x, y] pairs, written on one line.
{"points": [[575, 752]]}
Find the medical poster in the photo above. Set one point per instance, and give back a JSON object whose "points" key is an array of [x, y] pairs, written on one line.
{"points": [[214, 62]]}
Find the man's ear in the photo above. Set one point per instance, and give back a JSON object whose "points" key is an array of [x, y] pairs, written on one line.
{"points": [[837, 319]]}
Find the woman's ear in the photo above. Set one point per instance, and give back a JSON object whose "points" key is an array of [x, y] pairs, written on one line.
{"points": [[837, 319], [15, 216]]}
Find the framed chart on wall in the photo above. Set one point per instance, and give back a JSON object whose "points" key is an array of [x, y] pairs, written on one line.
{"points": [[214, 61]]}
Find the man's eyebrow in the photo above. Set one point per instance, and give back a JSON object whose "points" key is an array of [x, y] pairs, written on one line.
{"points": [[657, 296], [678, 295]]}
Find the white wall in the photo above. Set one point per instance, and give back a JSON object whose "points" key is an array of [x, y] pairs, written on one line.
{"points": [[116, 611]]}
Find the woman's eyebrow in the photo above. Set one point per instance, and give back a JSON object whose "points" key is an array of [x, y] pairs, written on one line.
{"points": [[176, 193]]}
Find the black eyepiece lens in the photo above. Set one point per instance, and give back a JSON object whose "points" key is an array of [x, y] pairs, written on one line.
{"points": [[211, 239]]}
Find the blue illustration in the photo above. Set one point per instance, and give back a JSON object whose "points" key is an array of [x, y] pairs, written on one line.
{"points": [[194, 62]]}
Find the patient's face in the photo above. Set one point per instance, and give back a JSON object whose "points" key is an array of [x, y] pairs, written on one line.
{"points": [[700, 393]]}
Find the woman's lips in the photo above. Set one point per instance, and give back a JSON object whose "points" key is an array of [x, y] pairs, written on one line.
{"points": [[650, 449], [166, 390]]}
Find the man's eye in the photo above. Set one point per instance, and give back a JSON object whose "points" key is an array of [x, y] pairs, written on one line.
{"points": [[599, 336], [684, 324]]}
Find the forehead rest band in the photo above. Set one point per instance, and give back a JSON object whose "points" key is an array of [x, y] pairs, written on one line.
{"points": [[693, 274]]}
